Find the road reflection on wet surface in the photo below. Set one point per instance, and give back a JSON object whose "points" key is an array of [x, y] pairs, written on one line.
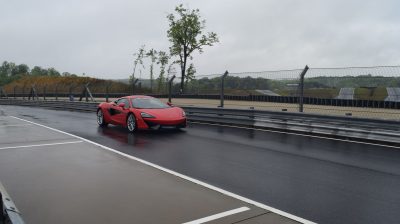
{"points": [[138, 139]]}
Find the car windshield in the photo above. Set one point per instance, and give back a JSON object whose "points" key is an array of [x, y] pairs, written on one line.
{"points": [[148, 103]]}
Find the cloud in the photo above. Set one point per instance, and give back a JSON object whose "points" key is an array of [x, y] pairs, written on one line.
{"points": [[99, 37]]}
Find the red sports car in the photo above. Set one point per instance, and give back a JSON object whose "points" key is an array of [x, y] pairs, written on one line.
{"points": [[140, 112]]}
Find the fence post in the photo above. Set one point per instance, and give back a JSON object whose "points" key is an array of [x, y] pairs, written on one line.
{"points": [[44, 92], [89, 92], [140, 86], [23, 92], [33, 93], [134, 84], [222, 89], [301, 99], [3, 93], [71, 98], [170, 88], [15, 90], [57, 91], [30, 93], [107, 91], [86, 92]]}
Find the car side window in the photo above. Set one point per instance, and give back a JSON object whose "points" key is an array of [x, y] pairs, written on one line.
{"points": [[116, 102], [134, 103], [125, 101]]}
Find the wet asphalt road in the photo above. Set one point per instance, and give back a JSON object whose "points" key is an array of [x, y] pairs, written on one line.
{"points": [[325, 181]]}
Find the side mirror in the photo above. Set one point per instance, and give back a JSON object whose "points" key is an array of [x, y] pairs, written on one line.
{"points": [[121, 105], [170, 104]]}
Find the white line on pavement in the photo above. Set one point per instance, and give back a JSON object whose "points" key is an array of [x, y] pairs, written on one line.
{"points": [[14, 125], [48, 144], [218, 216]]}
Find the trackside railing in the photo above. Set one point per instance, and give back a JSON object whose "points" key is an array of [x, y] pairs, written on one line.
{"points": [[9, 214]]}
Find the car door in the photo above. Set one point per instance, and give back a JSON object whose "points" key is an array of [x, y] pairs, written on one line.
{"points": [[118, 114]]}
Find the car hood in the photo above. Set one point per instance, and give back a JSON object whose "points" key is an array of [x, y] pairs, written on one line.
{"points": [[165, 113]]}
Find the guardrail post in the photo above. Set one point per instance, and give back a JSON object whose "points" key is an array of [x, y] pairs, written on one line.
{"points": [[170, 88], [222, 89], [301, 98]]}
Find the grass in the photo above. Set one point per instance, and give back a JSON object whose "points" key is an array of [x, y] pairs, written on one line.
{"points": [[378, 93], [63, 84]]}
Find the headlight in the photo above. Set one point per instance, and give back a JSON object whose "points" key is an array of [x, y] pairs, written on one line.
{"points": [[183, 113], [146, 115]]}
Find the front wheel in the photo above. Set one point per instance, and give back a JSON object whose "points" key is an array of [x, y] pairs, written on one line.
{"points": [[131, 123], [100, 118]]}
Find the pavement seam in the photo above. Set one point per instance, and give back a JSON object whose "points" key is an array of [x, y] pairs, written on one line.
{"points": [[239, 221]]}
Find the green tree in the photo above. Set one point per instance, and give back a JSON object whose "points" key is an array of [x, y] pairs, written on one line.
{"points": [[52, 72], [152, 54], [190, 73], [5, 69], [21, 69], [38, 71], [162, 61], [186, 36]]}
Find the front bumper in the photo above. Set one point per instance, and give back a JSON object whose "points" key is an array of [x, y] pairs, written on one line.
{"points": [[149, 123]]}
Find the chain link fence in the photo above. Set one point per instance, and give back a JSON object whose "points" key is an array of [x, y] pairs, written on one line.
{"points": [[369, 92]]}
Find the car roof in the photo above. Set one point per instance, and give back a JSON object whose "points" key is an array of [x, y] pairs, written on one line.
{"points": [[137, 96]]}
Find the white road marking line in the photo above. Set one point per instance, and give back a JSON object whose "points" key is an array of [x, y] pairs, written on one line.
{"points": [[209, 186], [14, 125], [291, 133], [48, 144], [218, 216]]}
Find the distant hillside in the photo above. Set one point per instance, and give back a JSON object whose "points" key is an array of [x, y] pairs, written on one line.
{"points": [[65, 83], [144, 82]]}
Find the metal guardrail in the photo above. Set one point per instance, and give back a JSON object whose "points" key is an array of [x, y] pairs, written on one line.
{"points": [[9, 214], [248, 98], [371, 130]]}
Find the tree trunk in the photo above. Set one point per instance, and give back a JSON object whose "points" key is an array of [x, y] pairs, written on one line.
{"points": [[183, 72]]}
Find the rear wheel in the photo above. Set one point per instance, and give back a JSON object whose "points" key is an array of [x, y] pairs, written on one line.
{"points": [[131, 123], [100, 118]]}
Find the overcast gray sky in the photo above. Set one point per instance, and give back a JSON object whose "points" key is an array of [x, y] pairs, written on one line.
{"points": [[98, 37]]}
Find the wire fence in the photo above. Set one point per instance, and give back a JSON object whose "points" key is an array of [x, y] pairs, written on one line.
{"points": [[370, 92]]}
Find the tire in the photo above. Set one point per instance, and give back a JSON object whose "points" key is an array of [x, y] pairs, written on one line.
{"points": [[131, 123], [100, 118]]}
